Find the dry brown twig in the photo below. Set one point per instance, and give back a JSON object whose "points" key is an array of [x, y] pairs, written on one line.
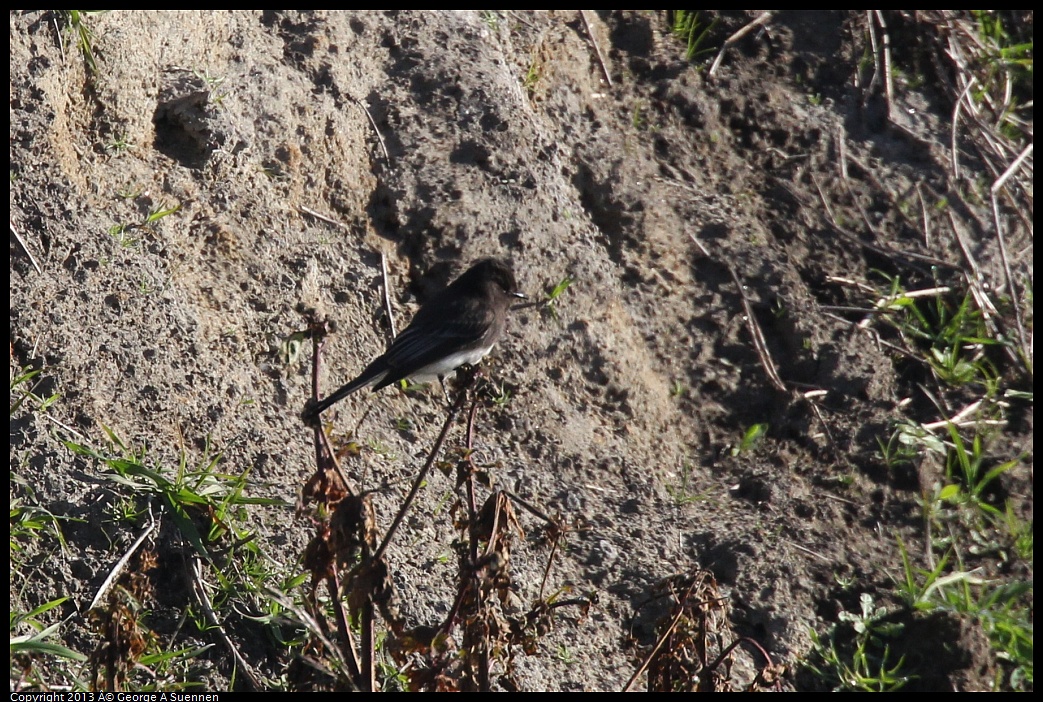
{"points": [[25, 247], [387, 294], [597, 50], [376, 130], [199, 592], [320, 216], [759, 22]]}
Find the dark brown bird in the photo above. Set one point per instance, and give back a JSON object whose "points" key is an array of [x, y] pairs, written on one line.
{"points": [[456, 327]]}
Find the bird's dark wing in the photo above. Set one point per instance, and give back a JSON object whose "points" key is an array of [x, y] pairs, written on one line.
{"points": [[440, 329]]}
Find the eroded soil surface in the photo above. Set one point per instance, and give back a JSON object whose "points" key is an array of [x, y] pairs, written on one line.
{"points": [[498, 135]]}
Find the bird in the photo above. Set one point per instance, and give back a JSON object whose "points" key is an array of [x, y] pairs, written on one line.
{"points": [[457, 326]]}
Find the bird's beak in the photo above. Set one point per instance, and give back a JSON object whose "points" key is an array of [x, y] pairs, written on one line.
{"points": [[520, 295]]}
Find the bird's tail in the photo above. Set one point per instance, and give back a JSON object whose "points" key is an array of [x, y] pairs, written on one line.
{"points": [[364, 380]]}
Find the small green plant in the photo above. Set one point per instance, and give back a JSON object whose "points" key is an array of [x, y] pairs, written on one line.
{"points": [[860, 660], [966, 468], [76, 22], [532, 78], [212, 85], [192, 495], [381, 449], [895, 452], [122, 233], [37, 643], [682, 492], [552, 297], [118, 145], [565, 655], [159, 212], [501, 395], [750, 439], [686, 25], [1004, 610], [25, 391], [491, 19]]}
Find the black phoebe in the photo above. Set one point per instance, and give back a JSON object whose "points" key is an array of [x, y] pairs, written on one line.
{"points": [[457, 326]]}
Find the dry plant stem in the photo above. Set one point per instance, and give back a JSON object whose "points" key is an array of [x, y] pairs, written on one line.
{"points": [[122, 563], [898, 257], [372, 122], [876, 337], [760, 21], [825, 427], [662, 639], [482, 643], [323, 450], [454, 409], [348, 649], [472, 504], [199, 591], [731, 647], [550, 562], [58, 32], [842, 154], [1015, 294], [597, 51], [926, 219], [528, 507], [976, 281], [325, 218], [758, 336], [387, 294], [25, 248], [369, 642], [886, 53]]}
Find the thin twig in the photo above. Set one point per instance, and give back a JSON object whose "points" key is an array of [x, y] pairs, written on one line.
{"points": [[323, 449], [348, 649], [387, 294], [597, 51], [376, 130], [199, 591], [1011, 169], [58, 31], [876, 337], [760, 21], [926, 219], [842, 154], [528, 506], [316, 628], [122, 562], [897, 256], [810, 398], [759, 343], [662, 638], [806, 550], [867, 90], [324, 218], [550, 562], [25, 247], [888, 85], [975, 278], [1015, 294], [956, 419], [422, 475]]}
